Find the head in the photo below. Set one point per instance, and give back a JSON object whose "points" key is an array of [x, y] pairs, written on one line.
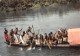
{"points": [[33, 33], [36, 36], [11, 29], [5, 29], [51, 33], [23, 32], [63, 31], [29, 27], [58, 32], [41, 35], [45, 34], [16, 28], [26, 31]]}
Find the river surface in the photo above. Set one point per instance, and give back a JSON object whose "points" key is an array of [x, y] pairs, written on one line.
{"points": [[46, 19]]}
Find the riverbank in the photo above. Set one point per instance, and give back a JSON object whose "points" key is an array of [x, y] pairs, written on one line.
{"points": [[16, 5]]}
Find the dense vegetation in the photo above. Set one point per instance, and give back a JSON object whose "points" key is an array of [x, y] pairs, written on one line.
{"points": [[15, 5]]}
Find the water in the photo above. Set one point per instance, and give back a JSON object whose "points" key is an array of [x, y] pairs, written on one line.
{"points": [[44, 20]]}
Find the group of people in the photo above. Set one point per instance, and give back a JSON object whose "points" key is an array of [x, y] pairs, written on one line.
{"points": [[14, 37]]}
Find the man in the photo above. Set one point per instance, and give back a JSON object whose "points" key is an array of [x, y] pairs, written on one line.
{"points": [[11, 35], [29, 29], [16, 33], [46, 37], [5, 34], [59, 36], [16, 30]]}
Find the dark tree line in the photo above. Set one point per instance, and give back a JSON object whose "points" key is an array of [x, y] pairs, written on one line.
{"points": [[24, 4]]}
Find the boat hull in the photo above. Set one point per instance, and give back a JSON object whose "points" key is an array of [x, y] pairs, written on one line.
{"points": [[43, 46]]}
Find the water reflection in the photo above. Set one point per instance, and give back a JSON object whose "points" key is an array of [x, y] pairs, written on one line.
{"points": [[39, 12]]}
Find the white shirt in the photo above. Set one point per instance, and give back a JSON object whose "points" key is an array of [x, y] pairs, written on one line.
{"points": [[22, 40], [15, 37]]}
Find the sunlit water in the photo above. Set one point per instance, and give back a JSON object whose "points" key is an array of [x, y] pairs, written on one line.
{"points": [[48, 19]]}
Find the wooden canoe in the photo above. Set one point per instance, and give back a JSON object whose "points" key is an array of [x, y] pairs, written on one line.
{"points": [[43, 46], [18, 45], [58, 45]]}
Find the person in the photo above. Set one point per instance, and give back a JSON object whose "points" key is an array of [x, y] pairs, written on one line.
{"points": [[5, 34], [29, 29], [41, 37], [37, 41], [41, 40], [31, 41], [64, 36], [8, 39], [54, 40], [46, 37], [16, 30], [50, 38], [59, 36], [22, 38], [34, 36], [11, 35], [15, 37], [37, 37], [26, 38], [50, 35]]}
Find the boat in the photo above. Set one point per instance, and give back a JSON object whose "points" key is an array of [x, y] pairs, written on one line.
{"points": [[73, 40], [52, 46], [18, 45]]}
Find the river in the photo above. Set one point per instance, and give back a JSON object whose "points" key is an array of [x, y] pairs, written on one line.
{"points": [[44, 20]]}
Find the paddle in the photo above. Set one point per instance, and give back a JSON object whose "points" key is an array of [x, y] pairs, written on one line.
{"points": [[31, 42], [48, 44], [31, 37], [41, 40], [10, 43], [41, 43], [34, 39], [33, 28], [35, 44], [31, 45], [9, 39]]}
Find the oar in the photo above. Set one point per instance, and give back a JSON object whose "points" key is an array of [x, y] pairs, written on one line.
{"points": [[10, 43], [35, 44], [33, 28], [48, 45], [47, 42], [41, 41], [9, 39], [30, 44], [34, 39]]}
